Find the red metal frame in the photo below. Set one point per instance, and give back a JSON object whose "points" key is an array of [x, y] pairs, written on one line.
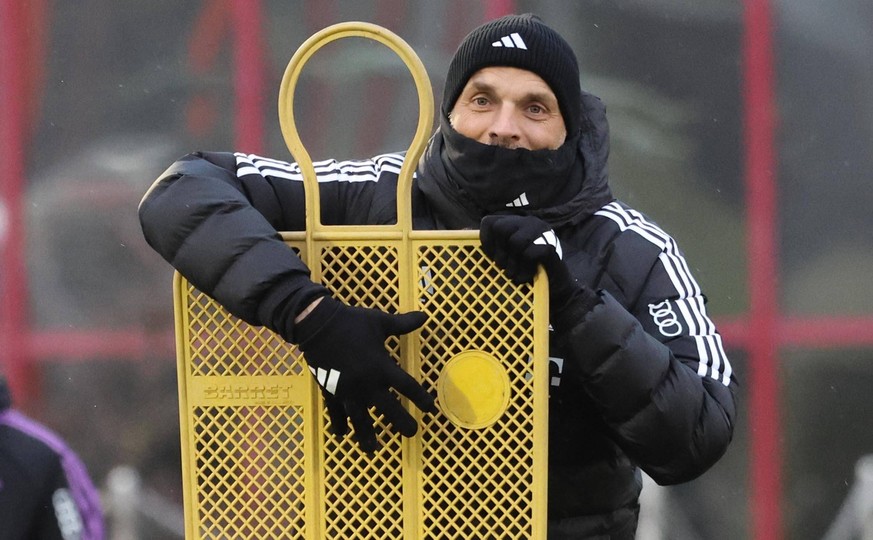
{"points": [[249, 77], [14, 357], [760, 167], [762, 332]]}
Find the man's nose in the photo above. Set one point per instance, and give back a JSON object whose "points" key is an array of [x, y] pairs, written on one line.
{"points": [[504, 130]]}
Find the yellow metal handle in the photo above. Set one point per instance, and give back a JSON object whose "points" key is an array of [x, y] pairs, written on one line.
{"points": [[292, 137]]}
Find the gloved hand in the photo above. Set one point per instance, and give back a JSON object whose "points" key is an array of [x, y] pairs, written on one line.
{"points": [[345, 349], [518, 244]]}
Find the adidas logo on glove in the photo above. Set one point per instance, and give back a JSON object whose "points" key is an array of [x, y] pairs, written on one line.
{"points": [[549, 238], [328, 379]]}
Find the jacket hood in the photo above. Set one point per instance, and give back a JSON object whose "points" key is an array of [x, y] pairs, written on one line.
{"points": [[455, 209]]}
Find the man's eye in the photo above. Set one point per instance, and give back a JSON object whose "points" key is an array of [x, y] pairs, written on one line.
{"points": [[536, 109], [480, 101]]}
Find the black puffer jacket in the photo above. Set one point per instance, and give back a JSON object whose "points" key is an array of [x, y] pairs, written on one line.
{"points": [[641, 381]]}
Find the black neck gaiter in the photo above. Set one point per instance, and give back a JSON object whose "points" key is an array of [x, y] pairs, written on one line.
{"points": [[463, 180], [498, 178]]}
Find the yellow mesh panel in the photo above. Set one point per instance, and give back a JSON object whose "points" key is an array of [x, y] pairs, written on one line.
{"points": [[258, 459], [247, 402]]}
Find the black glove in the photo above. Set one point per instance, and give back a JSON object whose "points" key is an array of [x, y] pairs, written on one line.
{"points": [[518, 244], [345, 349]]}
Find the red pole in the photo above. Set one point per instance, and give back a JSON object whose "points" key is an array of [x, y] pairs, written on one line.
{"points": [[760, 122], [13, 277], [498, 8], [248, 74]]}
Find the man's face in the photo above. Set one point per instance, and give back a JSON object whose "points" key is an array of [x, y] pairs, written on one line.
{"points": [[509, 107]]}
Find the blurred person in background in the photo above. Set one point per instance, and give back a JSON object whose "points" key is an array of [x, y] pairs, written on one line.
{"points": [[520, 154], [45, 490]]}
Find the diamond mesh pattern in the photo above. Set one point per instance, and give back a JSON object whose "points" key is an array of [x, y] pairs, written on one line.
{"points": [[476, 483], [248, 474], [363, 497], [250, 468], [223, 345]]}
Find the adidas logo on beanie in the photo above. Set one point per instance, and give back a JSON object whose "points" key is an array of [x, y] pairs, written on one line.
{"points": [[525, 42]]}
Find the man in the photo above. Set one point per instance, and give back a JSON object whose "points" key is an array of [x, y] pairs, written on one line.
{"points": [[520, 154], [45, 491]]}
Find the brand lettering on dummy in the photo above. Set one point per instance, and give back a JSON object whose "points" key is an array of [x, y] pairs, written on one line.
{"points": [[665, 318], [258, 393]]}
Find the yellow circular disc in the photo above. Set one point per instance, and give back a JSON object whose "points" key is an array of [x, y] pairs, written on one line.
{"points": [[473, 389]]}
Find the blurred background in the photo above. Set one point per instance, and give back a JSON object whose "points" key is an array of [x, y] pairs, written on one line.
{"points": [[744, 127]]}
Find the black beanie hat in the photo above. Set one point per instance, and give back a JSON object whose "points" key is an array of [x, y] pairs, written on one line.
{"points": [[525, 42]]}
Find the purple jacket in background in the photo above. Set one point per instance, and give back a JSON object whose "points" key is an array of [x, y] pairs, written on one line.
{"points": [[45, 490]]}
